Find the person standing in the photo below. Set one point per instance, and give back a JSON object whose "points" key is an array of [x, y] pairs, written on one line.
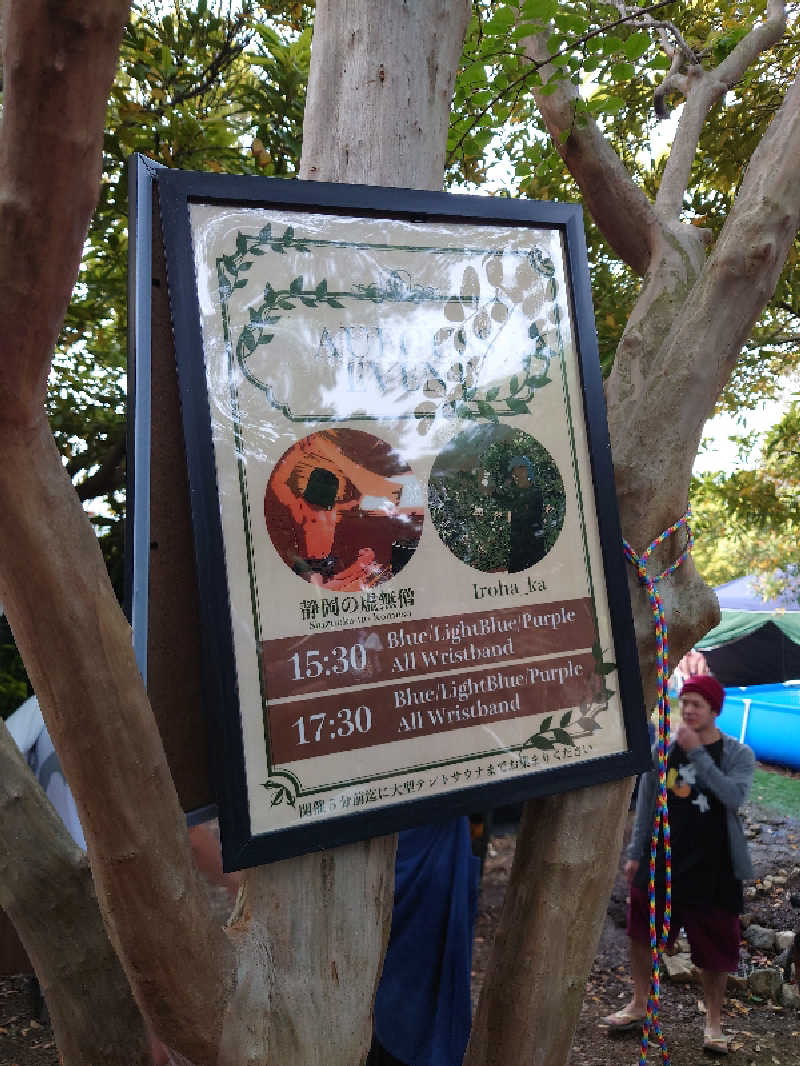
{"points": [[709, 775]]}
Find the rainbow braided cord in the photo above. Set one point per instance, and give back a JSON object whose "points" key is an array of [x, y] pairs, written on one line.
{"points": [[661, 821]]}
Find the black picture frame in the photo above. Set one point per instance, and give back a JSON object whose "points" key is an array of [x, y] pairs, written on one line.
{"points": [[177, 191]]}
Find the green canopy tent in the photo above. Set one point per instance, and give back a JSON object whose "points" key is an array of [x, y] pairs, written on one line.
{"points": [[757, 642]]}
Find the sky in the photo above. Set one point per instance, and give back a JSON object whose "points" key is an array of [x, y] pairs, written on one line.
{"points": [[719, 453]]}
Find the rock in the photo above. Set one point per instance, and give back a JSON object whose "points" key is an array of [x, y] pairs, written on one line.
{"points": [[750, 891], [766, 983], [766, 884], [784, 939], [736, 983], [790, 996], [778, 879], [760, 938], [680, 968]]}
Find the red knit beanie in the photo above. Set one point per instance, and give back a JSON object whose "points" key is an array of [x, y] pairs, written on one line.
{"points": [[708, 687]]}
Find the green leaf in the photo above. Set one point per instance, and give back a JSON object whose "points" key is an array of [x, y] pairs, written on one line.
{"points": [[240, 284], [541, 10], [501, 22], [545, 723], [571, 23], [492, 394], [248, 340], [487, 411], [622, 71], [636, 45], [241, 243], [514, 385], [565, 720], [296, 285], [517, 406], [561, 737], [610, 44], [333, 302], [542, 743], [322, 289]]}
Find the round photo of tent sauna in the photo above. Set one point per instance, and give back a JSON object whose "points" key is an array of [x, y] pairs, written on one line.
{"points": [[343, 509], [496, 499]]}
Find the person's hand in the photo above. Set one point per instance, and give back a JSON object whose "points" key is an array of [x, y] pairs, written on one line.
{"points": [[687, 738], [630, 868]]}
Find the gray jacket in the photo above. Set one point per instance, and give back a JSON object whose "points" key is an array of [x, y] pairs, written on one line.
{"points": [[730, 782]]}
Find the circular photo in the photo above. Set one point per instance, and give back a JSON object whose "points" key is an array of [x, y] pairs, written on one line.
{"points": [[496, 499], [343, 510]]}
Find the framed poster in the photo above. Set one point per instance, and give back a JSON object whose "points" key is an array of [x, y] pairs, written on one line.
{"points": [[410, 570]]}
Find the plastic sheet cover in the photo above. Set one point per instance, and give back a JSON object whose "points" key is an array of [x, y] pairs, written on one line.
{"points": [[416, 583]]}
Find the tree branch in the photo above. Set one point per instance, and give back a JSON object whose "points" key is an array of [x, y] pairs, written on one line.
{"points": [[46, 117], [59, 63], [618, 206], [702, 89], [39, 862], [758, 40], [107, 478], [699, 349]]}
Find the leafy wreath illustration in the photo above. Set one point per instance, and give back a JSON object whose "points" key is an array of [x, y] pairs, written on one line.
{"points": [[283, 787], [574, 726], [465, 311]]}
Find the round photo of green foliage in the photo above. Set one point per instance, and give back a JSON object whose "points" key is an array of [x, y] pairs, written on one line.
{"points": [[496, 498]]}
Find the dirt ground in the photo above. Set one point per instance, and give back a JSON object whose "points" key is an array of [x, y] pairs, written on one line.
{"points": [[763, 1034]]}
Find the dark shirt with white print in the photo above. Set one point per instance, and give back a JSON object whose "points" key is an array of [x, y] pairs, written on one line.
{"points": [[702, 874]]}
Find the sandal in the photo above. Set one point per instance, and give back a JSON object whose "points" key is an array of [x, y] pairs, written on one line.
{"points": [[622, 1021], [715, 1045]]}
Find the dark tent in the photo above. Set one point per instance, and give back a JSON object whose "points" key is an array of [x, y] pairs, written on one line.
{"points": [[757, 642]]}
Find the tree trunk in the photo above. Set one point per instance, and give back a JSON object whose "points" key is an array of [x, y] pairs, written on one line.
{"points": [[46, 889], [293, 979], [679, 346], [379, 93]]}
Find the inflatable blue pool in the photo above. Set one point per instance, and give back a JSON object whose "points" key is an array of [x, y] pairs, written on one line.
{"points": [[767, 717]]}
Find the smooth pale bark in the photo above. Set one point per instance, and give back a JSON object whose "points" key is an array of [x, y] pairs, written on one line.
{"points": [[46, 889], [678, 350], [379, 91], [292, 980], [59, 61], [377, 110]]}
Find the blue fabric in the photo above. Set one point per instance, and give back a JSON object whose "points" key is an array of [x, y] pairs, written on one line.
{"points": [[422, 1007], [741, 594]]}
